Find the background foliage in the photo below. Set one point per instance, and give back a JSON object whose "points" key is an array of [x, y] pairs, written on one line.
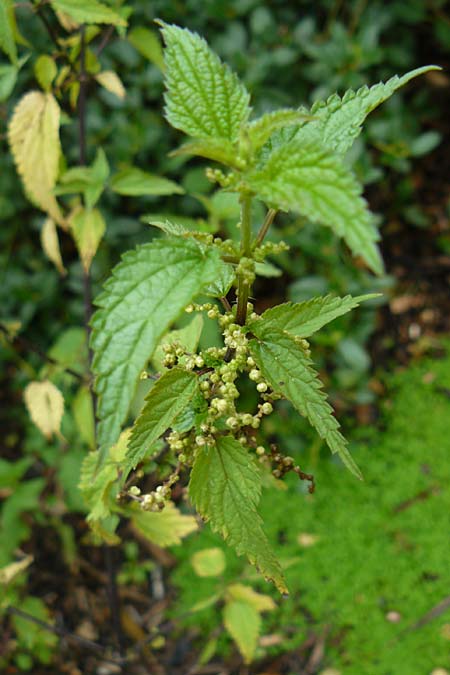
{"points": [[285, 53]]}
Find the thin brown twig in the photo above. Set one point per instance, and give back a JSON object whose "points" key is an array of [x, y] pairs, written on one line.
{"points": [[25, 344], [67, 635]]}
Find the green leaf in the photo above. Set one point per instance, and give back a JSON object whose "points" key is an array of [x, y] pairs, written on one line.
{"points": [[8, 79], [164, 402], [147, 43], [188, 337], [88, 180], [219, 150], [88, 228], [83, 414], [165, 528], [306, 318], [338, 121], [145, 294], [7, 27], [222, 283], [204, 97], [88, 11], [45, 70], [225, 488], [260, 130], [210, 562], [135, 182], [243, 622], [287, 368], [172, 229], [99, 489], [313, 182]]}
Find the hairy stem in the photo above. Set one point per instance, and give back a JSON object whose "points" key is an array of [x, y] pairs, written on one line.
{"points": [[268, 220], [246, 252]]}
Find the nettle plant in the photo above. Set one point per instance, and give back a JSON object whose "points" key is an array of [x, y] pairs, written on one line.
{"points": [[290, 160]]}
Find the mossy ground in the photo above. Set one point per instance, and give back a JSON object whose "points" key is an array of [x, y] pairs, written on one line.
{"points": [[380, 548]]}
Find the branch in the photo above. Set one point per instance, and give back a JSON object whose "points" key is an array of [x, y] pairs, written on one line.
{"points": [[30, 347]]}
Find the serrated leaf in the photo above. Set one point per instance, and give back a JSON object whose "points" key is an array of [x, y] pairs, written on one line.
{"points": [[243, 622], [166, 528], [145, 294], [45, 70], [50, 245], [135, 182], [83, 414], [172, 229], [260, 130], [305, 318], [316, 184], [261, 602], [33, 135], [204, 98], [110, 81], [147, 43], [288, 369], [210, 562], [99, 488], [219, 150], [225, 488], [45, 404], [7, 25], [88, 228], [338, 121], [223, 282], [167, 398], [188, 337], [88, 11]]}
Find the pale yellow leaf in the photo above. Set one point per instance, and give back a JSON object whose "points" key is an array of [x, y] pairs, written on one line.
{"points": [[209, 563], [243, 622], [243, 593], [66, 21], [45, 404], [111, 82], [164, 528], [11, 571], [33, 135], [88, 228], [50, 245]]}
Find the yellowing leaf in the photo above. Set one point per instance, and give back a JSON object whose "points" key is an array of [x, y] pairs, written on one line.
{"points": [[11, 571], [66, 22], [88, 228], [259, 601], [45, 404], [50, 245], [88, 11], [209, 563], [243, 622], [33, 135], [111, 82], [164, 528]]}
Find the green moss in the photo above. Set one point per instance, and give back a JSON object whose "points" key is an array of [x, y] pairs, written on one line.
{"points": [[382, 545]]}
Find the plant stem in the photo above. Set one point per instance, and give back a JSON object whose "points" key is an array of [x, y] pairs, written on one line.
{"points": [[246, 252], [25, 344], [268, 220]]}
